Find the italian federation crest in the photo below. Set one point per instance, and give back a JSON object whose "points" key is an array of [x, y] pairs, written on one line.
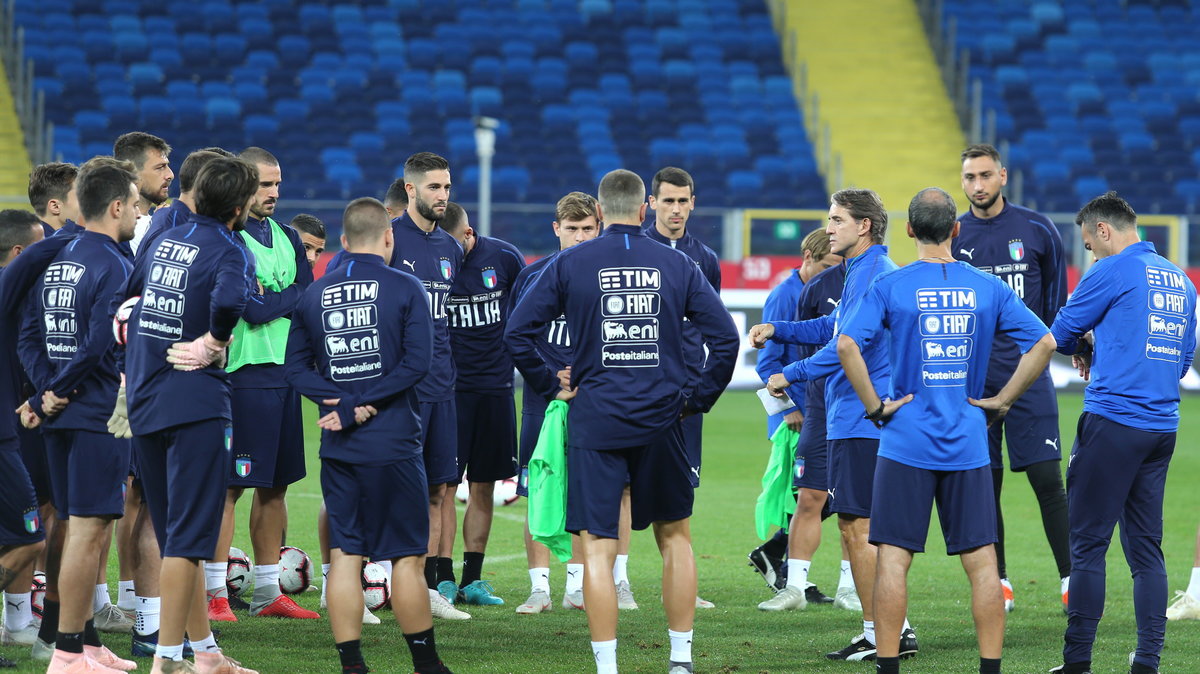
{"points": [[32, 522], [1016, 250], [242, 467], [489, 278], [447, 270]]}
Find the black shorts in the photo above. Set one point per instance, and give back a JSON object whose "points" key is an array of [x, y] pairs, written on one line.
{"points": [[487, 436], [19, 521], [852, 475], [377, 511], [268, 434], [905, 496], [88, 472]]}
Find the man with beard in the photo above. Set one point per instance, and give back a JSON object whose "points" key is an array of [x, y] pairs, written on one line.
{"points": [[149, 155], [1024, 249], [266, 456]]}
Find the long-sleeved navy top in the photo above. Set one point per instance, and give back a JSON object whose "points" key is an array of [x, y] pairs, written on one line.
{"points": [[710, 265], [363, 335], [625, 297], [174, 215], [554, 346], [194, 281], [477, 312]]}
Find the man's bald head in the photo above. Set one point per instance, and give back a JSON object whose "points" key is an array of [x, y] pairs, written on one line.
{"points": [[932, 214]]}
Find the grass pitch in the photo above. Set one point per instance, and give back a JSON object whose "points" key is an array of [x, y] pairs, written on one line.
{"points": [[736, 637]]}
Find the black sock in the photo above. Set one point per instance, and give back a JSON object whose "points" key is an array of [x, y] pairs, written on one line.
{"points": [[423, 648], [989, 666], [69, 643], [49, 626], [431, 572], [887, 665], [445, 569], [350, 653], [777, 545], [90, 636], [472, 567], [1139, 668]]}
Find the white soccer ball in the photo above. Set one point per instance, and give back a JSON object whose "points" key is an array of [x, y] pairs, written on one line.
{"points": [[121, 318], [295, 570], [504, 493], [240, 574], [377, 587]]}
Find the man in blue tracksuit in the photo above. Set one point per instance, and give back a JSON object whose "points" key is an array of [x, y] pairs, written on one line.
{"points": [[180, 210], [857, 227], [939, 319], [194, 287], [1140, 309], [625, 298], [1023, 249], [360, 341], [575, 221], [487, 414]]}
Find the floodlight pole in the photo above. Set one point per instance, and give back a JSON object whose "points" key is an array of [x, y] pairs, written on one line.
{"points": [[485, 149]]}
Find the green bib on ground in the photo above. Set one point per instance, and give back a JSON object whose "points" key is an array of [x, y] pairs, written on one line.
{"points": [[548, 484], [275, 267], [777, 502]]}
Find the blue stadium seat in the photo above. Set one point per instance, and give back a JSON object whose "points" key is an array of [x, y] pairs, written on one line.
{"points": [[260, 130], [223, 112]]}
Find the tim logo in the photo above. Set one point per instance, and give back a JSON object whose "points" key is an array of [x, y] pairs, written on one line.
{"points": [[350, 293], [1165, 278], [934, 299], [630, 278], [1167, 326], [64, 272]]}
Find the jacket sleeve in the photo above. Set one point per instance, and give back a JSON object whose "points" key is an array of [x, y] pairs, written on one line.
{"points": [[416, 340], [31, 350], [1054, 274], [300, 365], [706, 311], [1083, 311], [771, 358], [539, 304], [99, 338], [230, 293], [813, 331]]}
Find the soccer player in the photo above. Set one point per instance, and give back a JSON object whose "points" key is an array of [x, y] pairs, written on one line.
{"points": [[360, 342], [857, 227], [939, 318], [151, 160], [1140, 309], [312, 236], [180, 209], [396, 199], [194, 287], [576, 221], [52, 195], [18, 231], [1187, 603], [267, 457], [627, 297], [66, 348], [1024, 249], [487, 428], [794, 299]]}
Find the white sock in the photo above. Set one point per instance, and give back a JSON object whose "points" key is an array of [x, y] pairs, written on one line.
{"points": [[169, 652], [215, 574], [621, 569], [539, 579], [324, 580], [126, 596], [387, 567], [1194, 584], [606, 655], [100, 597], [266, 582], [846, 579], [1064, 584], [18, 611], [681, 645], [574, 578], [798, 572], [208, 645], [146, 616], [869, 630]]}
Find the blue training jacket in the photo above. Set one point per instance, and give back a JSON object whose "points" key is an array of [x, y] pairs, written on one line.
{"points": [[554, 346], [477, 311]]}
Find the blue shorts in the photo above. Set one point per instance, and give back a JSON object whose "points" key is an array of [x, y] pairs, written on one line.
{"points": [[487, 436], [852, 475], [658, 474], [33, 455], [185, 472], [19, 522], [531, 428], [439, 438], [87, 473], [693, 437], [268, 434], [812, 456], [1030, 428], [906, 494], [377, 511]]}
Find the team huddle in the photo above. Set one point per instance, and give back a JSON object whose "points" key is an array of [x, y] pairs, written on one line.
{"points": [[899, 387]]}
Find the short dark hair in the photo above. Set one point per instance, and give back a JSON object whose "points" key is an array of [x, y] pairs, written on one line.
{"points": [[132, 147], [191, 168], [364, 221], [421, 163], [50, 181], [1109, 208], [621, 194], [16, 229], [219, 150], [932, 214], [453, 219], [672, 176], [223, 186], [864, 204], [397, 196], [101, 184], [981, 150], [256, 155], [309, 224]]}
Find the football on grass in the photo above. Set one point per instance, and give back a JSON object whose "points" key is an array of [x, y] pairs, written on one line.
{"points": [[376, 586], [240, 573], [295, 570]]}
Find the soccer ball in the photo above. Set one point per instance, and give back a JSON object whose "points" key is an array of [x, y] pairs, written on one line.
{"points": [[376, 586], [121, 319], [37, 597], [239, 574], [504, 493], [295, 570]]}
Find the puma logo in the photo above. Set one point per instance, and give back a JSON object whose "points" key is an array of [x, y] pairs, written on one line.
{"points": [[411, 265], [695, 470], [970, 254], [15, 604], [422, 642], [1053, 443], [572, 573], [832, 301]]}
